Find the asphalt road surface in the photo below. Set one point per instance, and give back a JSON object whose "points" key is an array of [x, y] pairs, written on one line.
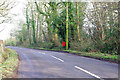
{"points": [[49, 64]]}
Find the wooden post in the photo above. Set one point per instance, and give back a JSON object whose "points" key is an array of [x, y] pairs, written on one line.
{"points": [[1, 49]]}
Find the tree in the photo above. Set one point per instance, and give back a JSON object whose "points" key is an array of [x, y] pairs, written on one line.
{"points": [[104, 26], [5, 7]]}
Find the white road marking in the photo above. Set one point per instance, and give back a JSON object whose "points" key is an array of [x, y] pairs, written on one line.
{"points": [[88, 72], [41, 53], [57, 58]]}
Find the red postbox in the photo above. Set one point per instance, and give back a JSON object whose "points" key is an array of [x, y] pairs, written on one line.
{"points": [[63, 43]]}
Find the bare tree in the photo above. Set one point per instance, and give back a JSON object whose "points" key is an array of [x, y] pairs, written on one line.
{"points": [[5, 7]]}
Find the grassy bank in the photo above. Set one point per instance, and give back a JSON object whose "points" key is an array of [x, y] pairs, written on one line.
{"points": [[96, 55], [9, 64]]}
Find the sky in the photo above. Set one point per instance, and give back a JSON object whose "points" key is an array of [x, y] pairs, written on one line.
{"points": [[17, 14]]}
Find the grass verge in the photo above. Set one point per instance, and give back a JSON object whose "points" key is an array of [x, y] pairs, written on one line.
{"points": [[10, 64], [95, 55]]}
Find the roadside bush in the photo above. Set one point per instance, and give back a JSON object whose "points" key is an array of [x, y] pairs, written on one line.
{"points": [[48, 45], [83, 45]]}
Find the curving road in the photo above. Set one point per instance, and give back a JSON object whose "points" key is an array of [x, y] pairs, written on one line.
{"points": [[49, 64]]}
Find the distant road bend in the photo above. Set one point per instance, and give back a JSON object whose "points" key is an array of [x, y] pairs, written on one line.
{"points": [[49, 64]]}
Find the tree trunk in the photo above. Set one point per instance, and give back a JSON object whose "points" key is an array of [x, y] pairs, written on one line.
{"points": [[67, 26], [28, 25], [56, 37], [118, 50], [37, 29], [33, 26], [78, 29]]}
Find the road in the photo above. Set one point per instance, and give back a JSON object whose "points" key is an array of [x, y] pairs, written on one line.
{"points": [[49, 64]]}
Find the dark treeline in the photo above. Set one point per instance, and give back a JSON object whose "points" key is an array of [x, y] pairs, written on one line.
{"points": [[83, 26]]}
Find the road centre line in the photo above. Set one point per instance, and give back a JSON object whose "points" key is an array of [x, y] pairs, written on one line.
{"points": [[57, 58], [88, 72], [41, 53]]}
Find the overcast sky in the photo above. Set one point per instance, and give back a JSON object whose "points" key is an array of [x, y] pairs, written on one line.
{"points": [[18, 11]]}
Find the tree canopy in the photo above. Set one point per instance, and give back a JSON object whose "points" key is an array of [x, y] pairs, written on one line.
{"points": [[83, 26]]}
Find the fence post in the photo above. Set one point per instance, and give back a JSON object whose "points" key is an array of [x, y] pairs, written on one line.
{"points": [[1, 50]]}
